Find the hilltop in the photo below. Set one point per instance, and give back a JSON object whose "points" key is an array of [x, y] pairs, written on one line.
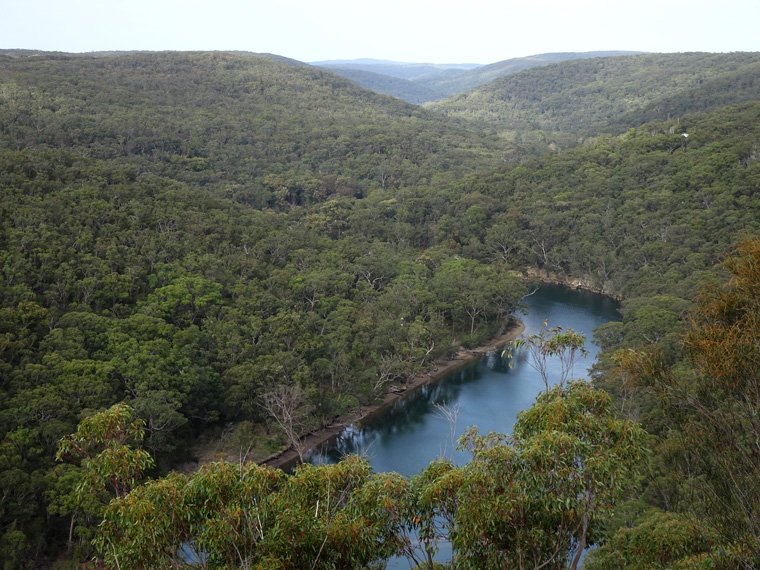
{"points": [[223, 119]]}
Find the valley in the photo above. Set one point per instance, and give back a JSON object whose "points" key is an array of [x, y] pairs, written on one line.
{"points": [[242, 248]]}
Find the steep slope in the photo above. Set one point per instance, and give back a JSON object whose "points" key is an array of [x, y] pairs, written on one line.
{"points": [[641, 214], [188, 232], [733, 85], [586, 97], [221, 119]]}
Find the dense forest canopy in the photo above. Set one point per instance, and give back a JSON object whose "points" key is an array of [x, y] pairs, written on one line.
{"points": [[215, 238], [268, 133], [585, 97], [405, 89]]}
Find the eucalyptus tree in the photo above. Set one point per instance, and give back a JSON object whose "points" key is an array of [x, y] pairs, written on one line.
{"points": [[539, 498], [710, 403], [338, 516], [554, 342]]}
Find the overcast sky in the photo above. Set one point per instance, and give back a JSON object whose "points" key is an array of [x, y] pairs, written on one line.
{"points": [[435, 31]]}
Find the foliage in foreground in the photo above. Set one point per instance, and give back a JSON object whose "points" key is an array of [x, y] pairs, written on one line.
{"points": [[535, 499], [658, 540], [708, 406]]}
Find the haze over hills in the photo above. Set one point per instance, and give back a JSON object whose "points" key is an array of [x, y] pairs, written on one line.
{"points": [[191, 233], [442, 80], [402, 80], [450, 84], [400, 69], [401, 88]]}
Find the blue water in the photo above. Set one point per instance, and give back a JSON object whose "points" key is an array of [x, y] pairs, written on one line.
{"points": [[487, 393]]}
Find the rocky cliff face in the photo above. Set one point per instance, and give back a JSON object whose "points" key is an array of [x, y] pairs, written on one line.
{"points": [[558, 278]]}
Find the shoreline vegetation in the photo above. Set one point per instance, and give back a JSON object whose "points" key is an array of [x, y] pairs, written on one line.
{"points": [[288, 457]]}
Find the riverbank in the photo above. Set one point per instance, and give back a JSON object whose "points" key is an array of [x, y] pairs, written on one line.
{"points": [[555, 278], [440, 368]]}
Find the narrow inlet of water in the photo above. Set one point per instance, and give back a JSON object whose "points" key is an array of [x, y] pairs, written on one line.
{"points": [[487, 393]]}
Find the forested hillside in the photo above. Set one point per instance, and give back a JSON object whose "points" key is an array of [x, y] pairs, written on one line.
{"points": [[204, 236], [563, 102], [157, 248], [452, 84], [422, 83], [264, 132], [644, 213]]}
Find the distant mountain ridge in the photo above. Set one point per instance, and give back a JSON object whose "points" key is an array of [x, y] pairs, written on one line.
{"points": [[409, 91], [403, 70], [450, 85], [430, 82]]}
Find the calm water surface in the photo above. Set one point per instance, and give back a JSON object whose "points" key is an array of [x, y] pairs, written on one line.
{"points": [[487, 393]]}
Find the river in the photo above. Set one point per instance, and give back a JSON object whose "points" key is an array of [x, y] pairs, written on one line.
{"points": [[486, 393]]}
